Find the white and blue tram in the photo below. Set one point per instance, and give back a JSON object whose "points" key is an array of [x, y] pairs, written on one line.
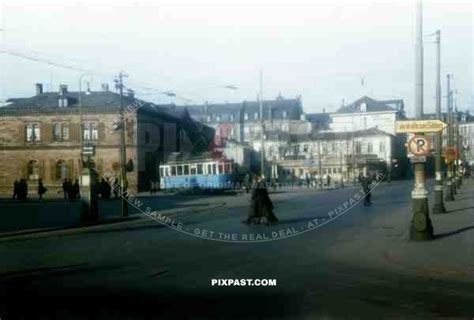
{"points": [[203, 173]]}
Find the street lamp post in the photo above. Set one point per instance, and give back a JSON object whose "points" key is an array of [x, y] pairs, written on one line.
{"points": [[123, 151], [262, 148], [421, 227], [88, 178], [449, 172], [438, 188]]}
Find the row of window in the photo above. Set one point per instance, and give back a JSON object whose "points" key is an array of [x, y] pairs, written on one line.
{"points": [[246, 116], [334, 148], [90, 132], [60, 170], [195, 169]]}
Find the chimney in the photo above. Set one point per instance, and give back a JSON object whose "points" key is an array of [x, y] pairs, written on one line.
{"points": [[62, 89], [105, 87], [130, 93], [39, 88]]}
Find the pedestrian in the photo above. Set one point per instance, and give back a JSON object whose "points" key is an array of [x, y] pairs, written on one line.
{"points": [[65, 187], [308, 181], [247, 183], [16, 185], [260, 204], [116, 188], [22, 189], [70, 191], [366, 182], [329, 180], [106, 189], [41, 189], [76, 190]]}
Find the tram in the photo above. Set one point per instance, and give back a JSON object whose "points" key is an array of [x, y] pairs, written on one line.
{"points": [[206, 173]]}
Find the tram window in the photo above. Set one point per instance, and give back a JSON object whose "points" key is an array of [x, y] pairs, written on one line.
{"points": [[173, 170], [227, 167], [180, 170], [214, 168], [186, 169], [209, 169], [200, 169], [193, 170], [221, 168]]}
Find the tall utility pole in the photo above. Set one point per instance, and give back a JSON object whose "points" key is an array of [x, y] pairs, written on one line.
{"points": [[320, 169], [439, 206], [262, 151], [123, 151], [421, 227], [449, 179], [458, 149]]}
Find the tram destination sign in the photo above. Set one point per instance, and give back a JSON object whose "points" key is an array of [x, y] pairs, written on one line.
{"points": [[419, 126]]}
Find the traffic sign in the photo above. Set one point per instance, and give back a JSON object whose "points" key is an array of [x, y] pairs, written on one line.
{"points": [[450, 153], [419, 126], [419, 146], [418, 159]]}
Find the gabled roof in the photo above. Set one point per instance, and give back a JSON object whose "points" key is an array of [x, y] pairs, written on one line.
{"points": [[372, 105], [91, 99], [271, 109]]}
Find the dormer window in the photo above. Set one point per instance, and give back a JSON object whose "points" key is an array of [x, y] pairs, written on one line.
{"points": [[255, 116], [285, 114], [363, 107], [246, 116], [62, 103]]}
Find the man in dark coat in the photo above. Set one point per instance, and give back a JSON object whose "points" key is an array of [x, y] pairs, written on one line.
{"points": [[65, 187], [366, 181], [260, 204], [16, 186], [41, 189]]}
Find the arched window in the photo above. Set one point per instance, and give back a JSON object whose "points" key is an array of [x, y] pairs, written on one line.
{"points": [[382, 146], [370, 148], [33, 170], [61, 170]]}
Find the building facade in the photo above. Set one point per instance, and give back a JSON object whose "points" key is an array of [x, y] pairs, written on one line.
{"points": [[42, 137]]}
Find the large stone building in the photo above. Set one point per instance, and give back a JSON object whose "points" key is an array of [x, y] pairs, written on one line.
{"points": [[41, 136], [242, 121], [366, 113], [342, 155]]}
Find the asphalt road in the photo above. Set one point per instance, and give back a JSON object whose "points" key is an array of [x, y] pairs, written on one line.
{"points": [[146, 270]]}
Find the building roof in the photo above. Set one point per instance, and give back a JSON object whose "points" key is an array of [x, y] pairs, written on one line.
{"points": [[91, 99], [233, 112], [371, 105]]}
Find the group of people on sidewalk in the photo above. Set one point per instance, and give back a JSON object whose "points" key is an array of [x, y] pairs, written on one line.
{"points": [[71, 191], [20, 189]]}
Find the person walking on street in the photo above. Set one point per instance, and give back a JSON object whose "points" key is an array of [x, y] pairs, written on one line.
{"points": [[260, 204], [247, 183], [65, 187], [76, 189], [41, 189], [116, 188], [16, 185], [22, 189], [366, 182], [70, 191]]}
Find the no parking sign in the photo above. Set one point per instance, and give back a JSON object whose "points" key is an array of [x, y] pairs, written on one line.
{"points": [[419, 146]]}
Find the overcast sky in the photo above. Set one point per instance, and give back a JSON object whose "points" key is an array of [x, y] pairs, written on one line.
{"points": [[319, 50]]}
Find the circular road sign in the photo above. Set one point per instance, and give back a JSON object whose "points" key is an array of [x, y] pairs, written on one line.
{"points": [[419, 146]]}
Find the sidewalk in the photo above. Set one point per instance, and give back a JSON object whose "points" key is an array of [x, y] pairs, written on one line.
{"points": [[386, 243]]}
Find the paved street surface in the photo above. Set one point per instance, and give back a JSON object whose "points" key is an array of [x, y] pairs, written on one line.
{"points": [[359, 265]]}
